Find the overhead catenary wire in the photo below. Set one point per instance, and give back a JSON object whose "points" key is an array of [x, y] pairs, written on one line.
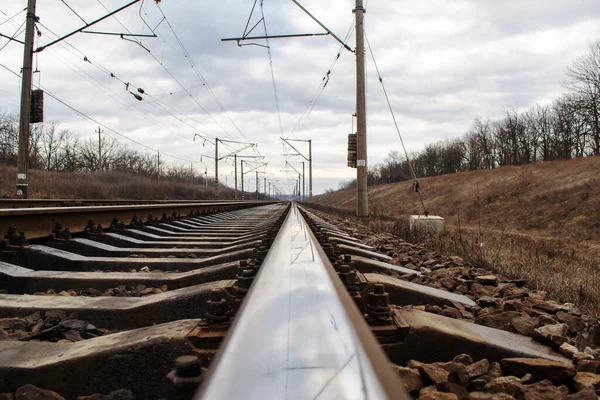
{"points": [[322, 85], [95, 122], [14, 35], [163, 107], [271, 66], [205, 83], [9, 19], [387, 99], [172, 76], [74, 12], [106, 89]]}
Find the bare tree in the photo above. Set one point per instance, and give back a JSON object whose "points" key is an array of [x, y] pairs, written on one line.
{"points": [[9, 138], [584, 76]]}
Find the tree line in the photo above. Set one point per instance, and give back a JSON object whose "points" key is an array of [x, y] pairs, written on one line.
{"points": [[567, 128], [52, 148]]}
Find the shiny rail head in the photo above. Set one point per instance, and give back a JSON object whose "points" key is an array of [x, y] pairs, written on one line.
{"points": [[298, 334]]}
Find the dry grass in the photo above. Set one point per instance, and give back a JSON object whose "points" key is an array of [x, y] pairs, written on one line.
{"points": [[106, 185], [539, 222]]}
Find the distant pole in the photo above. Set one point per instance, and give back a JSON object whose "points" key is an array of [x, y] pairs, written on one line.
{"points": [[206, 177], [235, 180], [257, 184], [299, 191], [24, 120], [158, 167], [242, 174], [309, 169], [362, 199], [303, 183], [99, 149], [216, 167], [269, 190], [265, 186], [191, 174]]}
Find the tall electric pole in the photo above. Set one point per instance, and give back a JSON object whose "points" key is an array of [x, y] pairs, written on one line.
{"points": [[24, 120], [242, 166], [303, 183], [216, 167], [158, 166], [362, 199], [235, 180], [309, 170], [257, 185], [99, 149], [309, 159]]}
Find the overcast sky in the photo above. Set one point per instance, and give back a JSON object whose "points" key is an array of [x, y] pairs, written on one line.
{"points": [[444, 63]]}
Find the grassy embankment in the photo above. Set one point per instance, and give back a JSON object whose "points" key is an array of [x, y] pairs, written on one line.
{"points": [[538, 222], [105, 185]]}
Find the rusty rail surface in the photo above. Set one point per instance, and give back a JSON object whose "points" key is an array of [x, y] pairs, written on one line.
{"points": [[35, 203], [299, 334], [40, 222]]}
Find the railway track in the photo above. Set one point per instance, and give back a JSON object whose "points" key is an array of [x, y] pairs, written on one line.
{"points": [[247, 300], [37, 203]]}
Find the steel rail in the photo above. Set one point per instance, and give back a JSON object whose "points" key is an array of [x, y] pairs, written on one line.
{"points": [[298, 334], [29, 203], [39, 222]]}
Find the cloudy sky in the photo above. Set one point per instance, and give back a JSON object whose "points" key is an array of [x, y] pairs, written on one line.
{"points": [[444, 63]]}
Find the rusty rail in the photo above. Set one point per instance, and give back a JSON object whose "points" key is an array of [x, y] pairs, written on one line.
{"points": [[36, 203], [40, 222]]}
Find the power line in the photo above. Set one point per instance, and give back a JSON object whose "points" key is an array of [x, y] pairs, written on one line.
{"points": [[322, 85], [202, 79], [387, 99], [74, 12], [96, 122], [106, 89], [11, 18], [172, 75], [82, 114], [271, 67], [10, 70], [17, 32]]}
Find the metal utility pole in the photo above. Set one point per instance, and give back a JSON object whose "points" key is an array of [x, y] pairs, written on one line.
{"points": [[265, 186], [235, 180], [242, 165], [303, 183], [206, 177], [158, 166], [22, 163], [362, 199], [257, 185], [216, 167], [309, 170], [26, 83], [309, 159], [99, 149], [217, 159]]}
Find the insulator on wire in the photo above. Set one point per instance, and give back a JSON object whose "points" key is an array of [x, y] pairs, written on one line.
{"points": [[141, 90], [137, 96]]}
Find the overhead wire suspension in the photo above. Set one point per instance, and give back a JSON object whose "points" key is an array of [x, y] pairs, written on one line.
{"points": [[387, 99]]}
